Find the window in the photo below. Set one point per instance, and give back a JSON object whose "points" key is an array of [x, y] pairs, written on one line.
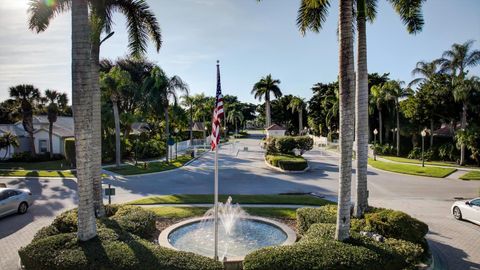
{"points": [[475, 202], [42, 144], [3, 195]]}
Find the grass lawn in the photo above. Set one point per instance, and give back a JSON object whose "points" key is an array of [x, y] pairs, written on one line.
{"points": [[241, 199], [151, 166], [45, 165], [473, 175], [411, 169], [43, 173], [186, 212], [416, 161]]}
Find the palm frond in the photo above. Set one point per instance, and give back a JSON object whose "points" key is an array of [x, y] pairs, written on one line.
{"points": [[410, 12], [41, 13], [311, 15]]}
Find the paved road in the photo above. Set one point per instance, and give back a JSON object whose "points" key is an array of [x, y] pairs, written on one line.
{"points": [[244, 172]]}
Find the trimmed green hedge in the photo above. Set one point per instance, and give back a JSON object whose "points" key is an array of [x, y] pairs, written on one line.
{"points": [[286, 144], [315, 254], [307, 216], [287, 162], [111, 249]]}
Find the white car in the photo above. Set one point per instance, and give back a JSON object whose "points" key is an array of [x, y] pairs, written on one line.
{"points": [[467, 210], [14, 201]]}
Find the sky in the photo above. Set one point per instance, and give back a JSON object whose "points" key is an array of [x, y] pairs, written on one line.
{"points": [[250, 39]]}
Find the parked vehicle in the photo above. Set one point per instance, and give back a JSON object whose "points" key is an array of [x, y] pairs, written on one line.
{"points": [[14, 201], [467, 210]]}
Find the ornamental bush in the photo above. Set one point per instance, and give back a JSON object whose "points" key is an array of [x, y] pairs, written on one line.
{"points": [[285, 145], [308, 216], [287, 162]]}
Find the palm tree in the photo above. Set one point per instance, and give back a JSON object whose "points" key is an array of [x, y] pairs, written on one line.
{"points": [[425, 70], [113, 82], [82, 116], [161, 89], [188, 102], [456, 61], [235, 116], [52, 114], [141, 25], [394, 90], [262, 89], [26, 95], [201, 109], [8, 140], [297, 104], [377, 98]]}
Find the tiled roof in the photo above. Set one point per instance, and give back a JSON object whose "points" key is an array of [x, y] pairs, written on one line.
{"points": [[275, 127]]}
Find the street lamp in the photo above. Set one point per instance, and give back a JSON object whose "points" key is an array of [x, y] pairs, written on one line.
{"points": [[423, 133], [176, 144], [375, 132], [205, 138]]}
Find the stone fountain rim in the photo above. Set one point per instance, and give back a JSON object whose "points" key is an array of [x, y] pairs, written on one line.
{"points": [[163, 237]]}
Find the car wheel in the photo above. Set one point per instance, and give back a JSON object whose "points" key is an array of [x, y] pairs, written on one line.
{"points": [[457, 213], [22, 208]]}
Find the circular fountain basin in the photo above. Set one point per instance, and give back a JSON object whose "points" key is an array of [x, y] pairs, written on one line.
{"points": [[249, 234]]}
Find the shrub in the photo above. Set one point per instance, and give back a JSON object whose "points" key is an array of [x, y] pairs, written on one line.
{"points": [[308, 216], [304, 143], [447, 152], [109, 250], [396, 224], [69, 147], [67, 221], [285, 145], [269, 146], [136, 220], [415, 153], [287, 162], [315, 254], [45, 232]]}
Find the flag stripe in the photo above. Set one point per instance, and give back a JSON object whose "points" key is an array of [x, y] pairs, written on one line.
{"points": [[217, 113]]}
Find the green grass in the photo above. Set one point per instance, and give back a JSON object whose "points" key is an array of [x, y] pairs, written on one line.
{"points": [[44, 165], [411, 169], [44, 173], [416, 161], [186, 212], [241, 199], [151, 166], [473, 175]]}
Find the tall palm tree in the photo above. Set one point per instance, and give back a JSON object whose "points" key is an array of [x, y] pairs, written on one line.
{"points": [[188, 102], [52, 114], [394, 90], [297, 104], [81, 102], [112, 83], [235, 116], [456, 61], [263, 89], [8, 140], [141, 25], [201, 109], [377, 98], [424, 71], [26, 95], [162, 89]]}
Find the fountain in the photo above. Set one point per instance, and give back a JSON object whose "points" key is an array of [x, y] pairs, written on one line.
{"points": [[239, 233]]}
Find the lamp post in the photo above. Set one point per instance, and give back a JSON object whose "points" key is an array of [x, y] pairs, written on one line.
{"points": [[176, 144], [205, 138], [423, 133], [375, 132]]}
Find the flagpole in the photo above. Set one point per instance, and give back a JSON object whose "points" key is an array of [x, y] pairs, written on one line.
{"points": [[216, 204]]}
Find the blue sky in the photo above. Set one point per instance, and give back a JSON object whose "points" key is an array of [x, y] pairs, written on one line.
{"points": [[250, 39]]}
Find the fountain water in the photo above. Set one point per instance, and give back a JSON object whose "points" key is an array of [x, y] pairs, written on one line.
{"points": [[239, 233]]}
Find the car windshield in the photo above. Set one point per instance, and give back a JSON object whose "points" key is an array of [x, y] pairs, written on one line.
{"points": [[475, 202]]}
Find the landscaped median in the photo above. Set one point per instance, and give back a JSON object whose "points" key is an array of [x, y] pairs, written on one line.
{"points": [[287, 162], [473, 175], [411, 169], [151, 167]]}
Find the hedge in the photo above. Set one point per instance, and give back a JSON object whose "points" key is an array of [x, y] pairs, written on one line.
{"points": [[111, 249], [287, 162], [315, 254], [286, 144], [69, 147], [308, 216]]}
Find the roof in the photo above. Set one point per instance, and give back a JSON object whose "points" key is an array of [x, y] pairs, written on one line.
{"points": [[63, 127], [139, 127], [275, 127], [446, 130], [198, 126]]}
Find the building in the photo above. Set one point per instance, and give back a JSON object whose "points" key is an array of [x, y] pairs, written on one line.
{"points": [[275, 131], [63, 128]]}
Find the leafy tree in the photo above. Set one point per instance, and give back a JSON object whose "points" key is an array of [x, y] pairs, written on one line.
{"points": [[235, 116], [262, 90], [57, 102], [377, 99], [298, 105], [8, 140]]}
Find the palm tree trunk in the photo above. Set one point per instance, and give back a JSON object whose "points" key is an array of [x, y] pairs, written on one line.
{"points": [[398, 130], [431, 132], [346, 83], [380, 124], [361, 116], [300, 121], [96, 146], [116, 118], [268, 121], [81, 103], [463, 125], [167, 130], [50, 131]]}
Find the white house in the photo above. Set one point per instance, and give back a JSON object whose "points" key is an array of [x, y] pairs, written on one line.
{"points": [[62, 129], [275, 131]]}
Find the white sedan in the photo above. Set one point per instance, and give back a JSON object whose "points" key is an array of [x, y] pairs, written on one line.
{"points": [[467, 210]]}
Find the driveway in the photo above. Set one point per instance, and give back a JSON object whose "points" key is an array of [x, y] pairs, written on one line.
{"points": [[244, 172]]}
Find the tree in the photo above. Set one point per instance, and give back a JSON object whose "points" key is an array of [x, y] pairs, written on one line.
{"points": [[112, 83], [394, 90], [8, 140], [298, 105], [161, 89], [52, 114], [141, 24], [82, 117], [188, 103], [263, 89], [377, 98], [456, 61], [425, 70], [26, 95], [235, 116]]}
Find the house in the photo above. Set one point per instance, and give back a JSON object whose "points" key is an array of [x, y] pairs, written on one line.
{"points": [[62, 129], [275, 131]]}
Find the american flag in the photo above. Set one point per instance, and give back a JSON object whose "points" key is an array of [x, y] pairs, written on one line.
{"points": [[217, 112]]}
